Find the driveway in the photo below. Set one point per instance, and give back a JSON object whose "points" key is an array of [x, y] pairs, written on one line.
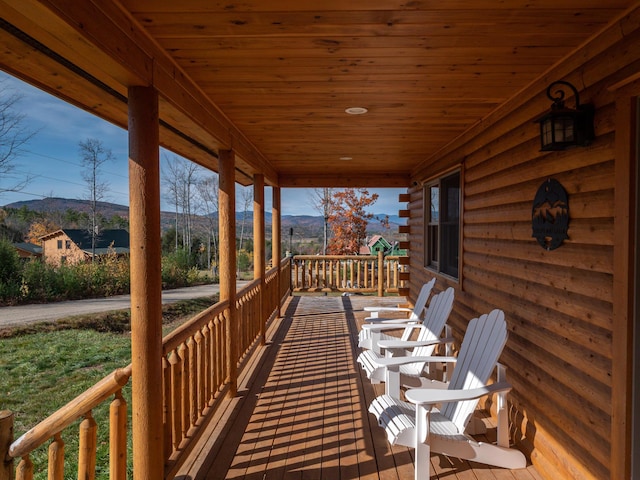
{"points": [[26, 314]]}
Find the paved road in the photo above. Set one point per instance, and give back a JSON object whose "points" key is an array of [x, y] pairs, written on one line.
{"points": [[25, 314]]}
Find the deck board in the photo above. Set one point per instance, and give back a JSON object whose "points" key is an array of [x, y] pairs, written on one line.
{"points": [[304, 415]]}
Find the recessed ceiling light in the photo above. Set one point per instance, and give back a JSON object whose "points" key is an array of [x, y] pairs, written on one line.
{"points": [[356, 110], [346, 158]]}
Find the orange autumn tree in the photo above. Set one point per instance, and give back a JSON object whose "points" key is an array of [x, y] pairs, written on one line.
{"points": [[348, 220], [40, 229]]}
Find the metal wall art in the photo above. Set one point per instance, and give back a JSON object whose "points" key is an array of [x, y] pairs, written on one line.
{"points": [[550, 215]]}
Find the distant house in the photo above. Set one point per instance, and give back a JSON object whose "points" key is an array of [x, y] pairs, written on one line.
{"points": [[378, 243], [28, 250], [74, 245]]}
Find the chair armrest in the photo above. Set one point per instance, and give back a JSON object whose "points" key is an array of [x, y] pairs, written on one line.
{"points": [[387, 309], [379, 320], [391, 344], [389, 326], [397, 361], [423, 396]]}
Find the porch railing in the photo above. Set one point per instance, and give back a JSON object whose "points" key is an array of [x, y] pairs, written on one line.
{"points": [[348, 273], [195, 379]]}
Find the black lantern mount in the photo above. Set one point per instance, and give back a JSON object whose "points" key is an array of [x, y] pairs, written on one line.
{"points": [[564, 127]]}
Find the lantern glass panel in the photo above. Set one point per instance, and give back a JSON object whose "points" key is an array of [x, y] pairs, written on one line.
{"points": [[564, 129]]}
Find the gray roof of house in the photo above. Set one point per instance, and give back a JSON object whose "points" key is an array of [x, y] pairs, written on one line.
{"points": [[115, 240], [29, 247]]}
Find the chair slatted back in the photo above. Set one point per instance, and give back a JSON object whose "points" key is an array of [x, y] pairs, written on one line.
{"points": [[419, 307], [481, 347], [434, 321]]}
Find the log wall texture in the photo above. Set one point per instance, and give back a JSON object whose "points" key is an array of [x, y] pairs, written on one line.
{"points": [[560, 303]]}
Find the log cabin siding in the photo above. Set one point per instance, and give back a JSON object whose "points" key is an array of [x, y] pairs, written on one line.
{"points": [[559, 304]]}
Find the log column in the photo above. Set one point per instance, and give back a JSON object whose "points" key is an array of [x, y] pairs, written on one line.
{"points": [[276, 248], [227, 229], [259, 263], [146, 283], [6, 439]]}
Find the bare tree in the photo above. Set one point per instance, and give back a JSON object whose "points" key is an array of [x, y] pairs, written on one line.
{"points": [[322, 202], [170, 179], [208, 189], [13, 137], [246, 196], [93, 155], [179, 179]]}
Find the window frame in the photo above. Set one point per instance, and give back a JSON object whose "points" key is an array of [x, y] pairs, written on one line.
{"points": [[446, 226]]}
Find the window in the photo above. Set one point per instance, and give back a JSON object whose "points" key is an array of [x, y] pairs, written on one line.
{"points": [[67, 244], [59, 244], [442, 224]]}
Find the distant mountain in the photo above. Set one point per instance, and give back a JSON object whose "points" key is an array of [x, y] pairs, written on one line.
{"points": [[304, 226], [54, 204]]}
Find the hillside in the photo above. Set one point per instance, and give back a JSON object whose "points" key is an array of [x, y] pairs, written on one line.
{"points": [[304, 226]]}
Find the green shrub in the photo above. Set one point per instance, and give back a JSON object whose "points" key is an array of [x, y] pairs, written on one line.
{"points": [[175, 269], [39, 281], [10, 267]]}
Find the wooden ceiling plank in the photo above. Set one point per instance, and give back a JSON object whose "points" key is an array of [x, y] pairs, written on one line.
{"points": [[59, 37], [214, 23], [368, 46], [194, 6], [357, 179], [134, 52]]}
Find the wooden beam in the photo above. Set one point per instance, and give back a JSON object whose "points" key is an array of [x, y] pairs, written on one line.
{"points": [[111, 41], [6, 438], [344, 180], [276, 235], [624, 292], [259, 247], [227, 229], [146, 283]]}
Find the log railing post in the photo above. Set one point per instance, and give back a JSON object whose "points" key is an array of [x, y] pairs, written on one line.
{"points": [[6, 437], [87, 448], [24, 471], [118, 438], [380, 273], [56, 458]]}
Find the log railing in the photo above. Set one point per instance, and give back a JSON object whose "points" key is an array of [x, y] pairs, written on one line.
{"points": [[347, 273], [194, 383], [80, 407]]}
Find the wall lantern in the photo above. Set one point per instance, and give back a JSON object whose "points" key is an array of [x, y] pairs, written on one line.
{"points": [[563, 127]]}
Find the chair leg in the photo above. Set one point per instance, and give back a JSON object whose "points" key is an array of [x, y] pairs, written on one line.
{"points": [[502, 412], [392, 381], [423, 449]]}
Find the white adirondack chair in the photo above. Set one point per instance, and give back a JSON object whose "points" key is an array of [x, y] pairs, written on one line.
{"points": [[428, 337], [419, 424], [367, 338], [414, 313]]}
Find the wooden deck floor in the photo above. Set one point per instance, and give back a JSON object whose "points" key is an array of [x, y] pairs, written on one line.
{"points": [[305, 414]]}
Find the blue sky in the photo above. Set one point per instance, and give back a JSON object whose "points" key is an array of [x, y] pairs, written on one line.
{"points": [[52, 160]]}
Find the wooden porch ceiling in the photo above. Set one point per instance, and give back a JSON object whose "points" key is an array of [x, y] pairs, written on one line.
{"points": [[272, 78]]}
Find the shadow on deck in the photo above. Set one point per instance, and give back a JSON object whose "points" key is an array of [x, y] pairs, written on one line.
{"points": [[301, 410]]}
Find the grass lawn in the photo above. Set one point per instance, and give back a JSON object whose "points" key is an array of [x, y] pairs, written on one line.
{"points": [[44, 366]]}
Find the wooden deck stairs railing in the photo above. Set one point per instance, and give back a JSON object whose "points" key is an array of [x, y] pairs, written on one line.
{"points": [[196, 378], [350, 273]]}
